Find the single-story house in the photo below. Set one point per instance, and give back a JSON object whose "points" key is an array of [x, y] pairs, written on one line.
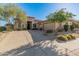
{"points": [[51, 26], [33, 23], [29, 23]]}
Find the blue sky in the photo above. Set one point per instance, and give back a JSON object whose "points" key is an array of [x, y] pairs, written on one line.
{"points": [[41, 10]]}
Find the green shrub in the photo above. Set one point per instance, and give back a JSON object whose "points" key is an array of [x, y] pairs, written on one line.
{"points": [[64, 38], [69, 37], [72, 27], [60, 30], [49, 31], [1, 29], [24, 28], [66, 26], [72, 36], [18, 29]]}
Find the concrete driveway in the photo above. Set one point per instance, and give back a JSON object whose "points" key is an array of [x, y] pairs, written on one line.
{"points": [[38, 36], [15, 39], [17, 43], [34, 43]]}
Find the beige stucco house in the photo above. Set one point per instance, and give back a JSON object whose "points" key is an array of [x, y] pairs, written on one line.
{"points": [[32, 23], [29, 23], [56, 26]]}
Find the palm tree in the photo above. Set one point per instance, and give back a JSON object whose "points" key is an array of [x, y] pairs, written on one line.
{"points": [[60, 16]]}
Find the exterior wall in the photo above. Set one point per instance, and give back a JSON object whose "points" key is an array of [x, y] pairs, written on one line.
{"points": [[32, 19], [40, 26], [50, 26], [22, 25]]}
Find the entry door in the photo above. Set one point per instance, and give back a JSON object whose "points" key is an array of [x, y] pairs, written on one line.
{"points": [[34, 26], [29, 25]]}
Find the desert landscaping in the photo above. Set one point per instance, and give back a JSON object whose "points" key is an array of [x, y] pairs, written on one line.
{"points": [[23, 35]]}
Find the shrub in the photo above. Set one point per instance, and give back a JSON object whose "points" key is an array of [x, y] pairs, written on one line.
{"points": [[34, 29], [72, 36], [64, 38], [24, 28], [68, 36], [9, 27], [49, 31], [72, 27], [66, 26], [18, 29], [60, 30], [1, 29]]}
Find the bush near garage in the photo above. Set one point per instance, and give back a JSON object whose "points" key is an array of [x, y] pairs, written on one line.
{"points": [[66, 37], [49, 31], [66, 26], [72, 36], [63, 38]]}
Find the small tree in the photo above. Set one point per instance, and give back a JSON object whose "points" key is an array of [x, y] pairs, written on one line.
{"points": [[20, 17], [60, 16], [52, 18], [12, 11], [1, 16]]}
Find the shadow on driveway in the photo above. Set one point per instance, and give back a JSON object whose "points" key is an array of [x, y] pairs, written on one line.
{"points": [[32, 51], [38, 36], [38, 49]]}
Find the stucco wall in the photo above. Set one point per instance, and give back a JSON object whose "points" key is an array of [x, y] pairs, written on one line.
{"points": [[50, 26]]}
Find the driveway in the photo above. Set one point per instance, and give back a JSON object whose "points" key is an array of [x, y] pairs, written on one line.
{"points": [[34, 43], [16, 43], [15, 39], [38, 35]]}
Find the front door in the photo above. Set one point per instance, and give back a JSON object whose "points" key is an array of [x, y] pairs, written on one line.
{"points": [[34, 26], [29, 24]]}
